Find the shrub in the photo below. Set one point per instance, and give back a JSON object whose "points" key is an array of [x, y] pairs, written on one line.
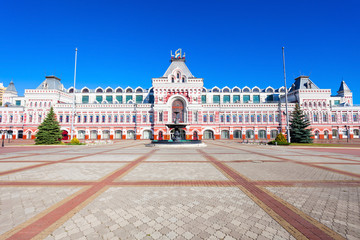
{"points": [[279, 140], [75, 141]]}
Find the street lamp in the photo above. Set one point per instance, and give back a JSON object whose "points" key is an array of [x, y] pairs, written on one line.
{"points": [[135, 105], [347, 133]]}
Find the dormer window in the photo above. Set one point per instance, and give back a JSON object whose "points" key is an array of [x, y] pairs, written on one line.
{"points": [[178, 75], [183, 79], [172, 79]]}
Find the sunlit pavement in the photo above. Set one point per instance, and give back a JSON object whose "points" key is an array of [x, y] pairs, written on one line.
{"points": [[226, 190]]}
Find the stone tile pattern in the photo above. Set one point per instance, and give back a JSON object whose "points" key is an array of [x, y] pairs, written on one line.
{"points": [[18, 204], [171, 213], [174, 171], [285, 171], [336, 208], [64, 171]]}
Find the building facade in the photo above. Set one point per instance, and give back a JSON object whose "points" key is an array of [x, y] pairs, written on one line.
{"points": [[226, 113], [2, 90]]}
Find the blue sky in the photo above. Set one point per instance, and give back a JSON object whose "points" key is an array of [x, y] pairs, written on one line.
{"points": [[228, 43]]}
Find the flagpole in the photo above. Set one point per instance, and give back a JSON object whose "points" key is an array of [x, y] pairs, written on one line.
{"points": [[73, 107], [286, 100]]}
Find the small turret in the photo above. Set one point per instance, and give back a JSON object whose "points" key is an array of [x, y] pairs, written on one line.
{"points": [[11, 88], [345, 93]]}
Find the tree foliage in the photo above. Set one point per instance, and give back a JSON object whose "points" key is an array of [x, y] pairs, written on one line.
{"points": [[299, 127], [49, 130]]}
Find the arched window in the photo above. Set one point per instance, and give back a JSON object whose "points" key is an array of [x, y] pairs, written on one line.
{"points": [[172, 79], [71, 90], [119, 90], [273, 133], [335, 133], [183, 79], [226, 90], [195, 135], [262, 134], [85, 90], [326, 134], [208, 134], [178, 75], [237, 134], [356, 133], [93, 134], [109, 90], [250, 134], [129, 90], [317, 134], [147, 134], [216, 90], [246, 90], [81, 134], [99, 90], [139, 90], [225, 134], [118, 134]]}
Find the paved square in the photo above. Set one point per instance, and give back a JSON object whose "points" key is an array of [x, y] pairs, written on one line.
{"points": [[226, 190]]}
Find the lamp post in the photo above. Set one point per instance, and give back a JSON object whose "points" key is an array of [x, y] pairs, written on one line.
{"points": [[9, 132], [347, 133], [286, 100], [73, 105], [135, 120]]}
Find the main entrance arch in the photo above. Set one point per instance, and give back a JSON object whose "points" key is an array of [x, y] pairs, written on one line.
{"points": [[178, 107]]}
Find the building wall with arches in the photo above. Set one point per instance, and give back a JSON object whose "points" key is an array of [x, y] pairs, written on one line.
{"points": [[229, 112]]}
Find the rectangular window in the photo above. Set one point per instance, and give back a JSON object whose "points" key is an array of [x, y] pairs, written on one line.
{"points": [[226, 99], [128, 98], [109, 119], [222, 118], [271, 118], [252, 118], [160, 116], [203, 99], [119, 99], [133, 118], [99, 99], [91, 119], [18, 102], [228, 118], [205, 118], [344, 117], [116, 118], [121, 118], [315, 117], [97, 119], [151, 118], [139, 98], [127, 118], [258, 118], [103, 118], [85, 99], [325, 117], [246, 118], [246, 98], [67, 119], [211, 118], [265, 118], [234, 118], [216, 99], [270, 98], [144, 118], [109, 99], [256, 99], [236, 98], [240, 118], [277, 119], [336, 102], [61, 119], [85, 119], [333, 117], [355, 117], [79, 119]]}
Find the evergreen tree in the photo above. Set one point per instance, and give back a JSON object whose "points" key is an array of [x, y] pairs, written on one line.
{"points": [[299, 131], [49, 130]]}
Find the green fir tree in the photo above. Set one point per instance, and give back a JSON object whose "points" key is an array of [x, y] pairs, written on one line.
{"points": [[299, 127], [49, 130]]}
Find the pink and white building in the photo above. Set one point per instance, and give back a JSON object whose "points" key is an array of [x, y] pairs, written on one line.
{"points": [[211, 113]]}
